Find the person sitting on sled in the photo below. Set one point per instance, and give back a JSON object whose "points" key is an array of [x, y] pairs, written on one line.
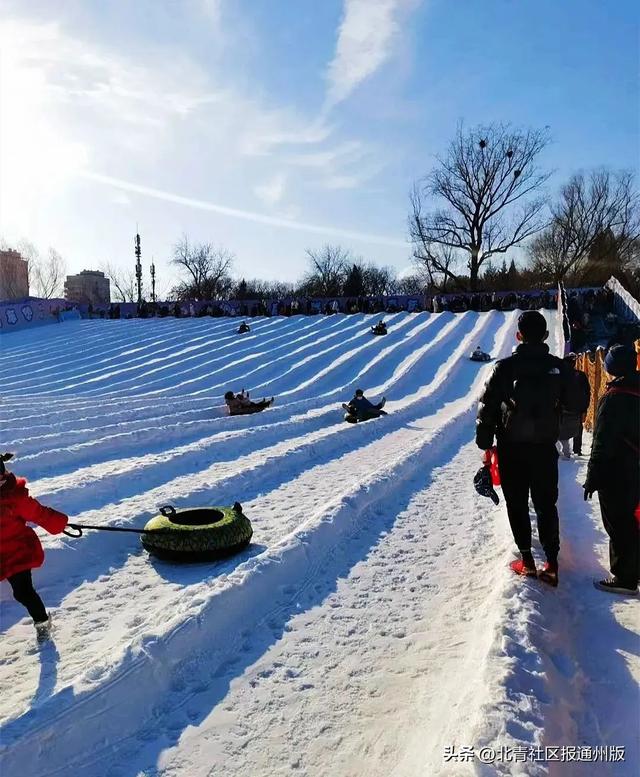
{"points": [[380, 328], [361, 409], [244, 327], [21, 550], [480, 356], [240, 404]]}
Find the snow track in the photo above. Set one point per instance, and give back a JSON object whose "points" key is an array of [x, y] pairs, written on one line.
{"points": [[158, 669]]}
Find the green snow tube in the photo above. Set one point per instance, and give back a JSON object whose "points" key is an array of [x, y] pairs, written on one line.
{"points": [[197, 533]]}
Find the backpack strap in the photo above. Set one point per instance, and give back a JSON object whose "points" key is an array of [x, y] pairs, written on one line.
{"points": [[623, 390]]}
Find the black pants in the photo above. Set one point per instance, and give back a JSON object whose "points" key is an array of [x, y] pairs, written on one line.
{"points": [[529, 468], [24, 592], [577, 442], [617, 505]]}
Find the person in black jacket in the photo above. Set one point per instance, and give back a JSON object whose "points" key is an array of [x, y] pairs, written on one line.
{"points": [[361, 409], [614, 469], [571, 421], [521, 406]]}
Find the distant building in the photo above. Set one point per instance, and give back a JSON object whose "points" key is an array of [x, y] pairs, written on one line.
{"points": [[89, 287], [14, 275]]}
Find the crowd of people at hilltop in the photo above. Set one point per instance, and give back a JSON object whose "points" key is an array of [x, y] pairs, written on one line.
{"points": [[583, 303]]}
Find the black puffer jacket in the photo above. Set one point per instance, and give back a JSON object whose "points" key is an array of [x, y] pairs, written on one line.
{"points": [[571, 421], [616, 435], [524, 397]]}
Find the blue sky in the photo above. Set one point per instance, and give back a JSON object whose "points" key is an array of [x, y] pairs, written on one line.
{"points": [[272, 126]]}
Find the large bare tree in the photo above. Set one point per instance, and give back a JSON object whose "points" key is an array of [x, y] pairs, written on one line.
{"points": [[123, 282], [599, 209], [439, 263], [208, 270], [481, 199]]}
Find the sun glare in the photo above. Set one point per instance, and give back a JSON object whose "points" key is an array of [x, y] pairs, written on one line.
{"points": [[37, 156]]}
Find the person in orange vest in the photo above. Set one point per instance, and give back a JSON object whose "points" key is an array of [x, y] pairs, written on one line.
{"points": [[614, 469]]}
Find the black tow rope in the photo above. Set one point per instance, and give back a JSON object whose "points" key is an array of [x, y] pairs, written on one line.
{"points": [[76, 529]]}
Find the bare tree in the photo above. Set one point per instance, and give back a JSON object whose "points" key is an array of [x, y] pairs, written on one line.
{"points": [[602, 208], [488, 187], [378, 281], [259, 289], [439, 262], [410, 284], [47, 275], [328, 270], [208, 270], [123, 282]]}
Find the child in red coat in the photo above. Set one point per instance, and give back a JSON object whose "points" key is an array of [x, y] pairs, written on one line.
{"points": [[20, 548]]}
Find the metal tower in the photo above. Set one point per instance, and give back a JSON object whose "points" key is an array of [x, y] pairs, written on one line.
{"points": [[153, 281], [138, 253]]}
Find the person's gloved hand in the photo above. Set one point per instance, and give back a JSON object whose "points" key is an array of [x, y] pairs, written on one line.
{"points": [[589, 491]]}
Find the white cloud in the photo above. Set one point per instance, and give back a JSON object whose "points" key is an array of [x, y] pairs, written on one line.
{"points": [[79, 110], [365, 41], [120, 198], [212, 10], [274, 129], [272, 191]]}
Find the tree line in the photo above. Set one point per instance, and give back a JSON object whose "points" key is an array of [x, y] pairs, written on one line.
{"points": [[332, 271]]}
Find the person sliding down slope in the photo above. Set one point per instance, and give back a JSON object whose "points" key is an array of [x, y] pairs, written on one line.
{"points": [[360, 409], [244, 327], [380, 328], [480, 356], [240, 404], [21, 550]]}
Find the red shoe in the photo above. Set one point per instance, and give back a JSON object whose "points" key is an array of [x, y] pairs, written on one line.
{"points": [[524, 569], [549, 573]]}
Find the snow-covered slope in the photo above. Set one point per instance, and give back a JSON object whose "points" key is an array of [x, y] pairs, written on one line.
{"points": [[370, 624]]}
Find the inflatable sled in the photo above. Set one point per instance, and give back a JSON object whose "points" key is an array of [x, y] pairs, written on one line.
{"points": [[379, 330], [197, 533], [254, 407], [480, 356], [351, 418], [243, 328]]}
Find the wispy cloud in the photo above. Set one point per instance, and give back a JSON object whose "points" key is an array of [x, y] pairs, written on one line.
{"points": [[247, 215], [272, 191], [77, 107], [365, 41]]}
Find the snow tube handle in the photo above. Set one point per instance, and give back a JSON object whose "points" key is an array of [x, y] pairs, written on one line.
{"points": [[72, 530], [168, 511], [490, 460]]}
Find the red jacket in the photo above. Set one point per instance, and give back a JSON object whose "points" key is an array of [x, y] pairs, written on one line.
{"points": [[20, 548]]}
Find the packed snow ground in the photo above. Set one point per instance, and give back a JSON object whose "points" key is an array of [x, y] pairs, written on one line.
{"points": [[371, 624]]}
